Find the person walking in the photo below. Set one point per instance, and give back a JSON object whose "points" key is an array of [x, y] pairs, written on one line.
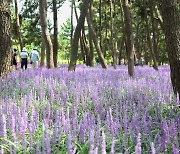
{"points": [[14, 59], [24, 58], [34, 55], [141, 62]]}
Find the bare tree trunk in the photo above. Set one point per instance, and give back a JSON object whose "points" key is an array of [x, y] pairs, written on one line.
{"points": [[128, 36], [121, 48], [86, 49], [75, 11], [72, 29], [55, 42], [5, 39], [171, 24], [112, 39], [83, 43], [154, 31], [155, 65], [159, 17], [115, 51], [137, 41], [45, 33], [123, 38], [106, 33], [77, 34], [145, 48], [99, 52], [100, 23], [81, 37], [91, 54], [82, 50], [18, 25], [43, 51]]}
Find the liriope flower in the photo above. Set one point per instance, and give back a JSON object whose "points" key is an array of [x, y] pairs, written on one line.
{"points": [[103, 148], [138, 145]]}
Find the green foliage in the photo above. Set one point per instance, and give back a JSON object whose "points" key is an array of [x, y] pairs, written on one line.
{"points": [[64, 40], [66, 29], [31, 29], [58, 2], [82, 148]]}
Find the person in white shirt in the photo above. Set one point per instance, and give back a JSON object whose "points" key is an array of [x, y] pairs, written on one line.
{"points": [[24, 57], [34, 57]]}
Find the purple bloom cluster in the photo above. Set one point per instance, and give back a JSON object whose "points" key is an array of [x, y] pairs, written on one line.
{"points": [[89, 111]]}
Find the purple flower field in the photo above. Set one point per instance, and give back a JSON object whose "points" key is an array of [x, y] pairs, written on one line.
{"points": [[90, 111]]}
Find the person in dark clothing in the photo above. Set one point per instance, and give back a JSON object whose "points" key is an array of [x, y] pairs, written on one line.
{"points": [[141, 62], [97, 60], [14, 58], [24, 57]]}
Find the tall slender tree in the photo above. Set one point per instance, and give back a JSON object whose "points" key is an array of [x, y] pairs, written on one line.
{"points": [[155, 65], [171, 25], [159, 17], [86, 48], [91, 52], [122, 42], [137, 41], [77, 34], [45, 33], [72, 28], [43, 52], [83, 42], [115, 38], [111, 10], [154, 31], [128, 37], [97, 46], [106, 46], [18, 26], [100, 23], [5, 39], [55, 40]]}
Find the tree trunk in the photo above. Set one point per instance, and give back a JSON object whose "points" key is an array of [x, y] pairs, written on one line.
{"points": [[45, 33], [115, 37], [91, 52], [137, 41], [75, 10], [100, 23], [94, 37], [128, 36], [106, 35], [145, 49], [171, 24], [159, 17], [112, 39], [82, 50], [154, 31], [121, 48], [43, 51], [86, 49], [5, 39], [81, 37], [123, 38], [18, 25], [155, 66], [72, 29], [77, 34], [55, 42]]}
